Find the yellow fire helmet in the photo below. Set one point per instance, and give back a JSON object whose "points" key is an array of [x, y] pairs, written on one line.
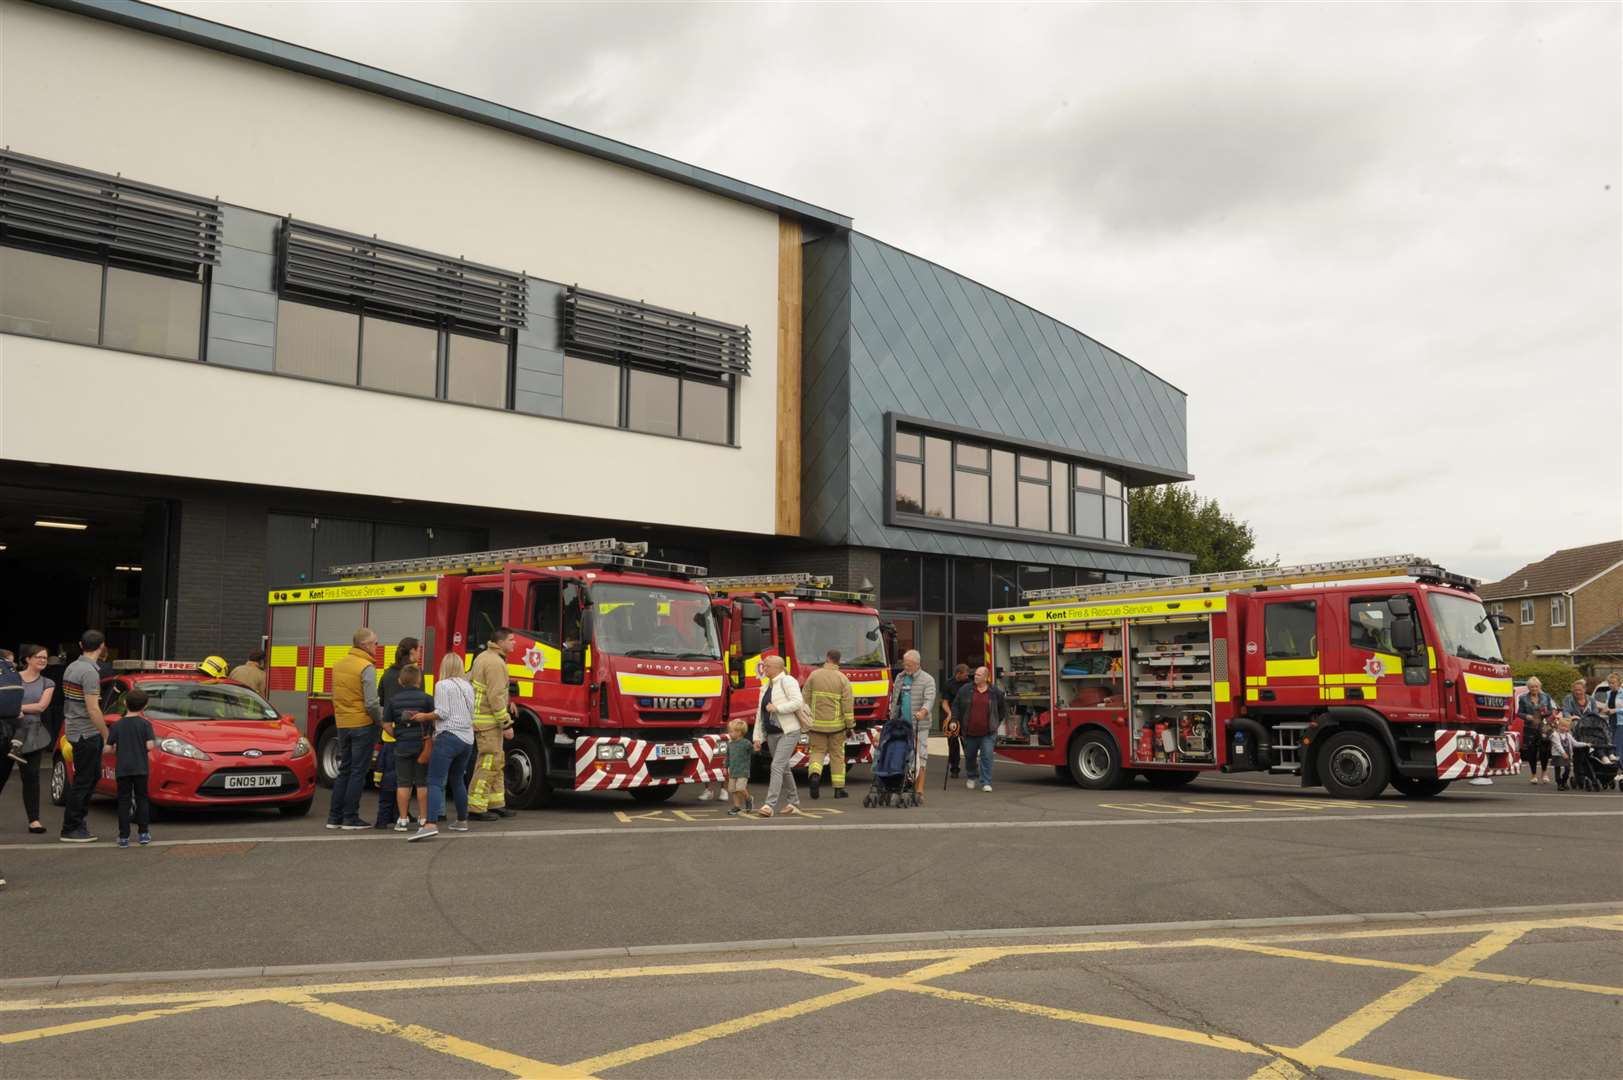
{"points": [[214, 667]]}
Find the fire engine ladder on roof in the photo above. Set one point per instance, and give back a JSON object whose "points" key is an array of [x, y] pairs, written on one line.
{"points": [[610, 552], [803, 585], [1264, 578]]}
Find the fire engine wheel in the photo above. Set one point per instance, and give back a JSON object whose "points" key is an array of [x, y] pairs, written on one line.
{"points": [[526, 772], [653, 794], [1354, 765], [327, 758], [59, 782], [1418, 787], [1095, 761]]}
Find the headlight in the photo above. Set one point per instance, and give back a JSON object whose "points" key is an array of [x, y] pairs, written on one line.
{"points": [[181, 748], [610, 752], [302, 747]]}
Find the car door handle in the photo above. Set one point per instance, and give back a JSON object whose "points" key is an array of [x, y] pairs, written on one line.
{"points": [[1266, 695]]}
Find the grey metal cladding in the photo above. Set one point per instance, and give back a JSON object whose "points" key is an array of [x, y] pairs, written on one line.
{"points": [[242, 292], [825, 482], [922, 341]]}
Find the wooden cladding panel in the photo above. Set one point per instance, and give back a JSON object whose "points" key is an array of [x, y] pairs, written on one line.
{"points": [[789, 344]]}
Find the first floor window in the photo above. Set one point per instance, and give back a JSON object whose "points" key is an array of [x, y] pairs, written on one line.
{"points": [[591, 391], [476, 371], [653, 405], [399, 356], [1558, 611], [706, 411], [618, 395], [50, 297], [317, 343], [96, 303], [1527, 613]]}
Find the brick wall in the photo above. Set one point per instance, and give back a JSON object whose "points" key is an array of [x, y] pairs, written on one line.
{"points": [[1599, 606]]}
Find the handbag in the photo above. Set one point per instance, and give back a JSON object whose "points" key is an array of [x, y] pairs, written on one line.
{"points": [[426, 752]]}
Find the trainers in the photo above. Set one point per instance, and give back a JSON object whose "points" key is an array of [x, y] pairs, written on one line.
{"points": [[841, 793], [423, 834], [986, 787], [81, 835], [458, 826], [335, 825], [706, 795], [123, 841], [749, 801], [146, 838], [18, 758], [351, 826], [791, 810], [506, 812], [970, 785], [400, 825], [816, 780], [735, 811]]}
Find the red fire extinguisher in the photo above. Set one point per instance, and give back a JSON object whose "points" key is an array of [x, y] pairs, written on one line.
{"points": [[1146, 744]]}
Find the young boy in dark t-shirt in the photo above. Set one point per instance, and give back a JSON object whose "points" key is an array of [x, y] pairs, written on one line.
{"points": [[409, 717], [132, 737]]}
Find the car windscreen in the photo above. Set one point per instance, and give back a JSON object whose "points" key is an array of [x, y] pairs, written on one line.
{"points": [[1465, 628], [854, 633], [203, 701], [639, 620]]}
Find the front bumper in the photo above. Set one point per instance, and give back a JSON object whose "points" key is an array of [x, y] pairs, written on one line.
{"points": [[1464, 755], [858, 749], [643, 764], [183, 782]]}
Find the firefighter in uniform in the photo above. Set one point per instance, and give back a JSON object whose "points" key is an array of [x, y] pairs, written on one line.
{"points": [[828, 692], [492, 723]]}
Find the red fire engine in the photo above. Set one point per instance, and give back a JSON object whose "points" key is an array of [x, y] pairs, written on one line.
{"points": [[617, 670], [797, 616], [1352, 675]]}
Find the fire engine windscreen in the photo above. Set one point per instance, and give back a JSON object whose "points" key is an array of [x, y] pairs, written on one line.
{"points": [[635, 620], [201, 701], [1465, 628], [856, 636]]}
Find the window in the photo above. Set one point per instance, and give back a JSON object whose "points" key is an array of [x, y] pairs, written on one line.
{"points": [[1059, 497], [398, 356], [1290, 630], [591, 391], [971, 585], [652, 403], [1090, 503], [899, 581], [151, 314], [706, 411], [49, 297], [317, 343], [1527, 613], [1558, 611], [937, 478], [99, 260], [1370, 626], [484, 618], [544, 612], [1003, 506], [971, 485], [909, 446], [935, 583], [476, 371], [1034, 503], [908, 484]]}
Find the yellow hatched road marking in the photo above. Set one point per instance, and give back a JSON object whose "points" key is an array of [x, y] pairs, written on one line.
{"points": [[1399, 965], [121, 1019], [490, 1057], [1348, 1032]]}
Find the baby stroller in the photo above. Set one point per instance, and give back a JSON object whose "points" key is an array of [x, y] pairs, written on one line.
{"points": [[894, 766], [1594, 763]]}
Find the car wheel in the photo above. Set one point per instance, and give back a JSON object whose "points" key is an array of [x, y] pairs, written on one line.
{"points": [[1353, 765], [327, 758], [59, 781], [1095, 761], [297, 809], [1166, 779], [1418, 787], [653, 794], [526, 773]]}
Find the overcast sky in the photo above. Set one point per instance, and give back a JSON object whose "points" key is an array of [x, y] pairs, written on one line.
{"points": [[1379, 245]]}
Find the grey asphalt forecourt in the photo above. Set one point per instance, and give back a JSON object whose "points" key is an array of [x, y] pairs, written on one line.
{"points": [[1237, 927]]}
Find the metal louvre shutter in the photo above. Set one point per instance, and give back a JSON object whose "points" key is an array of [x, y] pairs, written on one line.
{"points": [[602, 327], [317, 263], [42, 202]]}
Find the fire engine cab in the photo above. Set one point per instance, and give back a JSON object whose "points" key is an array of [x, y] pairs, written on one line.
{"points": [[617, 670], [800, 618], [1352, 675]]}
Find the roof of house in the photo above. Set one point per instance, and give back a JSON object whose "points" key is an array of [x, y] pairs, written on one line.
{"points": [[1562, 572], [1608, 642], [268, 50]]}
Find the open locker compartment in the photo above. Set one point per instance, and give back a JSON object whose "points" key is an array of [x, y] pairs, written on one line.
{"points": [[1024, 664], [1092, 666], [1170, 661]]}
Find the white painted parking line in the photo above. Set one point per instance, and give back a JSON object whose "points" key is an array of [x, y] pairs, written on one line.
{"points": [[1164, 816]]}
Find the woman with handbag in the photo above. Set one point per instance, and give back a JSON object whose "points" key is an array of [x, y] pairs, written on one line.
{"points": [[33, 738], [778, 723], [450, 749], [1537, 712]]}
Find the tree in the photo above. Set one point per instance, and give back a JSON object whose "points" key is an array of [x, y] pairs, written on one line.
{"points": [[1173, 518]]}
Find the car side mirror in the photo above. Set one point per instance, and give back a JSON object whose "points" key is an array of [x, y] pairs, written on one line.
{"points": [[1403, 637]]}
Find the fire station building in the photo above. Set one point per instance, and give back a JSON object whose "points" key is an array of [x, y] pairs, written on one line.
{"points": [[264, 310]]}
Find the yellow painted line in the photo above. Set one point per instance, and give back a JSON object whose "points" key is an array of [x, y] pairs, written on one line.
{"points": [[1398, 965], [1348, 1032], [219, 1001], [670, 685], [429, 1039]]}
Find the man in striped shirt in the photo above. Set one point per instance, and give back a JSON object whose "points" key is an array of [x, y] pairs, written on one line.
{"points": [[85, 730]]}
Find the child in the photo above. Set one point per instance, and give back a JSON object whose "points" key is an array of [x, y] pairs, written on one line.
{"points": [[131, 735], [409, 719], [1562, 747], [738, 767]]}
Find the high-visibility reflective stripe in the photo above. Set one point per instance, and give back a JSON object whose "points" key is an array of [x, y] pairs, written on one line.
{"points": [[691, 686], [1256, 680], [1488, 684], [1192, 605], [752, 667], [382, 590], [1220, 691], [1290, 669], [871, 688], [284, 655]]}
